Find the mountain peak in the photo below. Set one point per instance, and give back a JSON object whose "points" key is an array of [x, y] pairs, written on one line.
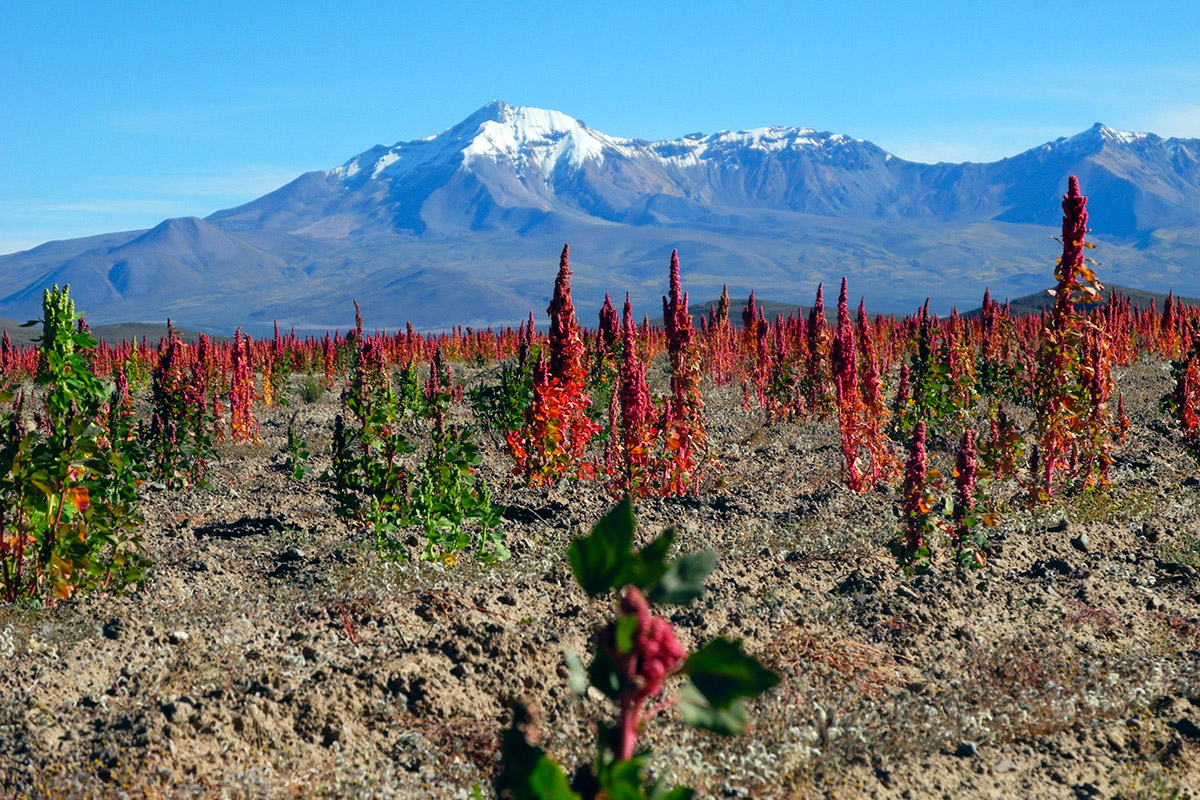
{"points": [[502, 130], [1106, 134]]}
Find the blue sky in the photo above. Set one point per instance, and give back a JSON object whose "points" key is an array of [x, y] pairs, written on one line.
{"points": [[116, 116]]}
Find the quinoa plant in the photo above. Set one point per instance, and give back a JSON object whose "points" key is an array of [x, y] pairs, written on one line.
{"points": [[605, 354], [684, 426], [912, 545], [997, 375], [180, 433], [818, 376], [410, 395], [852, 413], [1003, 450], [295, 452], [630, 457], [932, 390], [501, 406], [1183, 401], [552, 440], [636, 656], [68, 486], [966, 538], [875, 410], [242, 426], [933, 510], [370, 483], [1071, 380], [449, 496]]}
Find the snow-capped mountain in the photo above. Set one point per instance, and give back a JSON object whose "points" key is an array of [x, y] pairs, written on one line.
{"points": [[464, 226]]}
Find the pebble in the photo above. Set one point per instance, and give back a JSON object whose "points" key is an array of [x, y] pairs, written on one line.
{"points": [[179, 637], [1005, 765], [1081, 543], [967, 749], [1187, 728]]}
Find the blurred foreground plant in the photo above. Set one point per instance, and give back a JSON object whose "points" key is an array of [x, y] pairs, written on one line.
{"points": [[635, 656]]}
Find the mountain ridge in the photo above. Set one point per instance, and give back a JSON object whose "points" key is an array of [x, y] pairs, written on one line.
{"points": [[464, 226]]}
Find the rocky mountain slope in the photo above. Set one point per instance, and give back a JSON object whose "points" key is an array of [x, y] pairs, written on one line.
{"points": [[464, 227]]}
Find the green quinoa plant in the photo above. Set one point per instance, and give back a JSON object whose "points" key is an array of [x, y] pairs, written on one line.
{"points": [[410, 399], [68, 486], [931, 391], [449, 494], [501, 406], [370, 483], [636, 656], [295, 452]]}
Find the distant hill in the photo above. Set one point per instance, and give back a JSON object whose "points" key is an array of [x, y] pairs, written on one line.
{"points": [[113, 334], [1035, 303]]}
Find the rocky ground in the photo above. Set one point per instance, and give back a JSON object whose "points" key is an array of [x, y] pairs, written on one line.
{"points": [[274, 654]]}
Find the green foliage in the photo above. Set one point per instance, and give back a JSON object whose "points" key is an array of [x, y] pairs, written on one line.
{"points": [[137, 368], [998, 379], [605, 560], [501, 407], [312, 389], [445, 495], [449, 494], [718, 676], [938, 398], [370, 483], [68, 487], [295, 452], [410, 399]]}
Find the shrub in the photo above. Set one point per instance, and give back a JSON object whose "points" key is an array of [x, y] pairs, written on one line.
{"points": [[312, 389]]}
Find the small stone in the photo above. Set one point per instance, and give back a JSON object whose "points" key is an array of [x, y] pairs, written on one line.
{"points": [[1153, 603], [290, 555], [179, 637], [909, 794], [967, 749], [1187, 728], [1005, 765], [112, 629], [1081, 543]]}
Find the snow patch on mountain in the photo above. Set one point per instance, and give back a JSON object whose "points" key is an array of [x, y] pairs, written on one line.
{"points": [[526, 136]]}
